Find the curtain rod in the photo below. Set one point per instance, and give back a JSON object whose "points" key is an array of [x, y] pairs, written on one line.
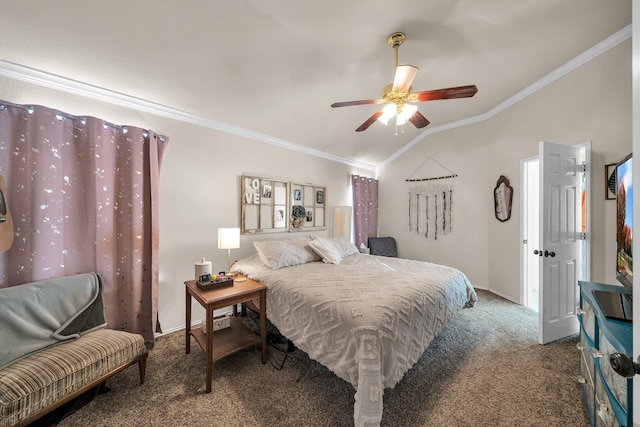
{"points": [[451, 174], [431, 179]]}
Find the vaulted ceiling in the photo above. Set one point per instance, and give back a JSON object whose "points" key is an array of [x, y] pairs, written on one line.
{"points": [[271, 69]]}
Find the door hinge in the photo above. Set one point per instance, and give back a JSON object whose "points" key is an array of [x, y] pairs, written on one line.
{"points": [[582, 236], [582, 167]]}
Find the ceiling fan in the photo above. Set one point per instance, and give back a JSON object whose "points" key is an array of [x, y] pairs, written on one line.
{"points": [[400, 99]]}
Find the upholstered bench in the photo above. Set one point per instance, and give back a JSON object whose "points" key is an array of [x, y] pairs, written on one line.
{"points": [[54, 346], [41, 382]]}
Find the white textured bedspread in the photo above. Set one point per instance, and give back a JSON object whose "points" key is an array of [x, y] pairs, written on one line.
{"points": [[368, 319]]}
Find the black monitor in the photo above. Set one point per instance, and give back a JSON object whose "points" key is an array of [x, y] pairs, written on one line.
{"points": [[615, 305]]}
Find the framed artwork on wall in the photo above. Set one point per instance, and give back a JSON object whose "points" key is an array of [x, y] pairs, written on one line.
{"points": [[610, 181], [263, 205], [308, 207], [274, 206], [502, 199]]}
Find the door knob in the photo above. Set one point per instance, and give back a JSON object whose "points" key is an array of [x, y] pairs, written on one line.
{"points": [[624, 365], [537, 252], [547, 253]]}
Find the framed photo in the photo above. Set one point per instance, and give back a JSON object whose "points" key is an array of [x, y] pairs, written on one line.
{"points": [[319, 197], [266, 191], [297, 194], [279, 221], [610, 181]]}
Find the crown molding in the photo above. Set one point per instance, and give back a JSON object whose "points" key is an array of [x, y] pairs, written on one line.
{"points": [[42, 78]]}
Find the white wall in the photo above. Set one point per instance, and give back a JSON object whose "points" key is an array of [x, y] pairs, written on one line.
{"points": [[592, 103], [463, 153], [200, 191], [199, 186]]}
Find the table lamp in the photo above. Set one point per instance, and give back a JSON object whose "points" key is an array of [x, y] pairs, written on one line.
{"points": [[228, 238]]}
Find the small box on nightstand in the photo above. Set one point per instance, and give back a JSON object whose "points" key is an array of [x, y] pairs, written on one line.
{"points": [[219, 322], [218, 282]]}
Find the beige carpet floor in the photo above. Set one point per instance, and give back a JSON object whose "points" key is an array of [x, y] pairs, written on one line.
{"points": [[485, 368]]}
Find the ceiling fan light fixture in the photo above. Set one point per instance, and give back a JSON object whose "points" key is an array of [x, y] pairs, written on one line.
{"points": [[388, 112], [401, 119], [407, 111]]}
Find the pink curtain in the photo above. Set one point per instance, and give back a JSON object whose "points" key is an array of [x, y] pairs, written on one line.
{"points": [[83, 195], [365, 208]]}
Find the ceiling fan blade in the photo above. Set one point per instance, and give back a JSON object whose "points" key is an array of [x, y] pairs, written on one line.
{"points": [[404, 78], [369, 121], [350, 103], [419, 120], [448, 93]]}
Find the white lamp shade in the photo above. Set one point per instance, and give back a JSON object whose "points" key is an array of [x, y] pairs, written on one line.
{"points": [[342, 222], [228, 238]]}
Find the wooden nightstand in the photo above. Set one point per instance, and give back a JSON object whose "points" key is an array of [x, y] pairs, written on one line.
{"points": [[229, 340]]}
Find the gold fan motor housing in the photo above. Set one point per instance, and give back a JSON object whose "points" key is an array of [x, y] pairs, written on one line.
{"points": [[399, 98]]}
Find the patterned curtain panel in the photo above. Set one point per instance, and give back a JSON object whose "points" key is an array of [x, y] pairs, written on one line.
{"points": [[83, 194], [365, 208]]}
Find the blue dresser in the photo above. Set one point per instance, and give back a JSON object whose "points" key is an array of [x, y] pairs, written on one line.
{"points": [[607, 395]]}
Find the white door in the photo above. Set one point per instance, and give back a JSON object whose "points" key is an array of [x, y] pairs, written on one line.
{"points": [[561, 239], [530, 232]]}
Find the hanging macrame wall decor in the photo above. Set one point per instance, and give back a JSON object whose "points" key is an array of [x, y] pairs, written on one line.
{"points": [[431, 205]]}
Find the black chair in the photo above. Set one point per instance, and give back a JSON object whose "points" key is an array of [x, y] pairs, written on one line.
{"points": [[385, 246]]}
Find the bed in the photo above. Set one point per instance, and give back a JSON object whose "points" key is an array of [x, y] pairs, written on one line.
{"points": [[367, 318]]}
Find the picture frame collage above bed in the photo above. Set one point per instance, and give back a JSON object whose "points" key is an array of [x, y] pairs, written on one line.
{"points": [[274, 206]]}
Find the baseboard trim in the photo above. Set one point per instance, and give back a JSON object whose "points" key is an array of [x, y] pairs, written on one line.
{"points": [[500, 294]]}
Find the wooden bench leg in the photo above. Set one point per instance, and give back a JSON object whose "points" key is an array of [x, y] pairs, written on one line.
{"points": [[142, 366]]}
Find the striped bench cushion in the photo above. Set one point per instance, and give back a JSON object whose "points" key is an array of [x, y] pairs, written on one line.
{"points": [[43, 378]]}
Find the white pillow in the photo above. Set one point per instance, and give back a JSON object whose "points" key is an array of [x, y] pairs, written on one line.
{"points": [[327, 250], [304, 245], [276, 254], [344, 246]]}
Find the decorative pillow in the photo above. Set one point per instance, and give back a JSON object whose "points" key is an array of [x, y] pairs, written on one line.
{"points": [[276, 254], [327, 250], [304, 245], [344, 246]]}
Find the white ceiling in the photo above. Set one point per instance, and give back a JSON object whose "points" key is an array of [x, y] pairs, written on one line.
{"points": [[273, 68]]}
